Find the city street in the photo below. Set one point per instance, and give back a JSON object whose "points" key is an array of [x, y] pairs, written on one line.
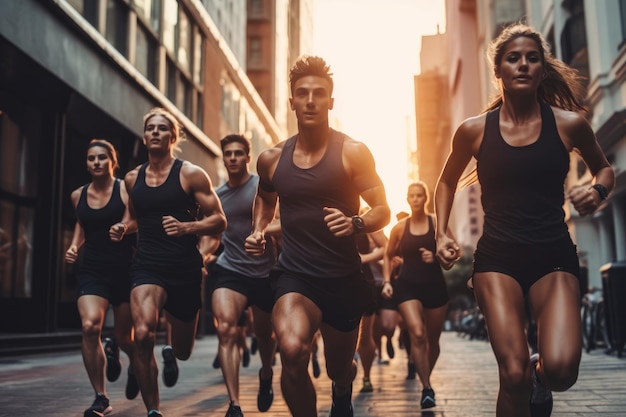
{"points": [[465, 381]]}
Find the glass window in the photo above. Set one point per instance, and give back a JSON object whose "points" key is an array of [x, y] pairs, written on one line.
{"points": [[622, 14], [255, 57], [18, 184], [145, 54], [170, 25], [150, 11], [198, 49], [87, 8], [184, 42], [170, 87], [256, 8], [199, 107], [117, 26]]}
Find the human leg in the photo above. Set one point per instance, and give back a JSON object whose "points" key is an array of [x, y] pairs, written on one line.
{"points": [[434, 319], [555, 303], [339, 348], [145, 303], [296, 319], [92, 309], [227, 308], [412, 313], [124, 335], [267, 350], [501, 301], [367, 350]]}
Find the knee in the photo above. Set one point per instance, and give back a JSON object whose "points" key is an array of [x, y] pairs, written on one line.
{"points": [[294, 352], [145, 337], [226, 331], [418, 335], [514, 376], [560, 375], [91, 329]]}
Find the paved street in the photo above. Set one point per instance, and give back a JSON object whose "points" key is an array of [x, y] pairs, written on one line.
{"points": [[465, 381]]}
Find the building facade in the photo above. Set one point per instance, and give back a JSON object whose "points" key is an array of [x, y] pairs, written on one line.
{"points": [[73, 70]]}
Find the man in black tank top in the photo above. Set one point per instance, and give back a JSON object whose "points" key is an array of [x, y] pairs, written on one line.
{"points": [[173, 202], [319, 176]]}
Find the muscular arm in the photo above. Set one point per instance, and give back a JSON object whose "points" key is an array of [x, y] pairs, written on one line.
{"points": [[79, 234], [118, 230], [465, 144], [576, 132], [212, 219]]}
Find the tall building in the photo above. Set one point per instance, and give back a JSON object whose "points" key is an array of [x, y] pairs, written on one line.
{"points": [[73, 70], [432, 110]]}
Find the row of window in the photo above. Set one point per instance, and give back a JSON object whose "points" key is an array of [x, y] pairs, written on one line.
{"points": [[160, 39]]}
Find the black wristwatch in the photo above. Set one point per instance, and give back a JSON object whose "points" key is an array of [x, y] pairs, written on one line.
{"points": [[358, 223], [601, 189]]}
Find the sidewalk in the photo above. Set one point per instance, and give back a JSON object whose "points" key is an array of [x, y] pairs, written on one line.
{"points": [[465, 380]]}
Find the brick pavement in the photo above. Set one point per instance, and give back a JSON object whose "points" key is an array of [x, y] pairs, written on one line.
{"points": [[465, 381]]}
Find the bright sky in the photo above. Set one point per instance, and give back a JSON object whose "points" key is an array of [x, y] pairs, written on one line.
{"points": [[372, 47]]}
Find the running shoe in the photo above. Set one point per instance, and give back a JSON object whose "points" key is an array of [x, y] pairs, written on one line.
{"points": [[132, 387], [216, 362], [428, 398], [254, 345], [233, 410], [112, 353], [99, 408], [540, 396], [170, 367], [411, 371], [245, 360], [155, 413], [342, 406], [265, 397], [390, 351], [316, 367], [367, 385]]}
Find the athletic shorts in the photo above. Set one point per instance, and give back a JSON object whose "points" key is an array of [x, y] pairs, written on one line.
{"points": [[386, 303], [110, 283], [430, 294], [183, 291], [526, 263], [258, 290], [342, 300]]}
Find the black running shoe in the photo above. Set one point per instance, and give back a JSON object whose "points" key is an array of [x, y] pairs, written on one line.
{"points": [[342, 406], [170, 367], [316, 367], [216, 362], [234, 410], [155, 413], [132, 387], [540, 396], [254, 346], [428, 398], [390, 351], [99, 408], [245, 360], [265, 398], [411, 371], [112, 353]]}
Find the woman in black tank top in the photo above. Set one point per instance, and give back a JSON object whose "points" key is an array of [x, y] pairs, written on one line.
{"points": [[103, 277], [522, 144], [419, 290]]}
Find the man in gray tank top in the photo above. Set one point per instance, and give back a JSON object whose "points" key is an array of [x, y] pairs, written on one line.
{"points": [[319, 175]]}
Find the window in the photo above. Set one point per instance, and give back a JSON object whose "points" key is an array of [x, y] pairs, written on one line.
{"points": [[88, 9], [256, 8], [198, 55], [170, 25], [255, 57], [184, 42], [18, 189], [150, 11], [117, 26], [145, 54]]}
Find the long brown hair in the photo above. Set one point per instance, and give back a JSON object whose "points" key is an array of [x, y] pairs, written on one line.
{"points": [[561, 86]]}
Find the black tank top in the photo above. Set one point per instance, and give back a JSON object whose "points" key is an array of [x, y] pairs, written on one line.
{"points": [[99, 250], [522, 186], [308, 246], [414, 269], [156, 251]]}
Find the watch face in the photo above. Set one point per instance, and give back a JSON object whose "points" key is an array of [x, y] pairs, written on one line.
{"points": [[358, 223]]}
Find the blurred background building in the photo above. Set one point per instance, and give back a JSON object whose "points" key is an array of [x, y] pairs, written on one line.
{"points": [[73, 70]]}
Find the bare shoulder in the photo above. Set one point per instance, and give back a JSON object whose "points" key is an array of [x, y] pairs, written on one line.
{"points": [[473, 126], [272, 154], [573, 127], [131, 177], [76, 195], [195, 176]]}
